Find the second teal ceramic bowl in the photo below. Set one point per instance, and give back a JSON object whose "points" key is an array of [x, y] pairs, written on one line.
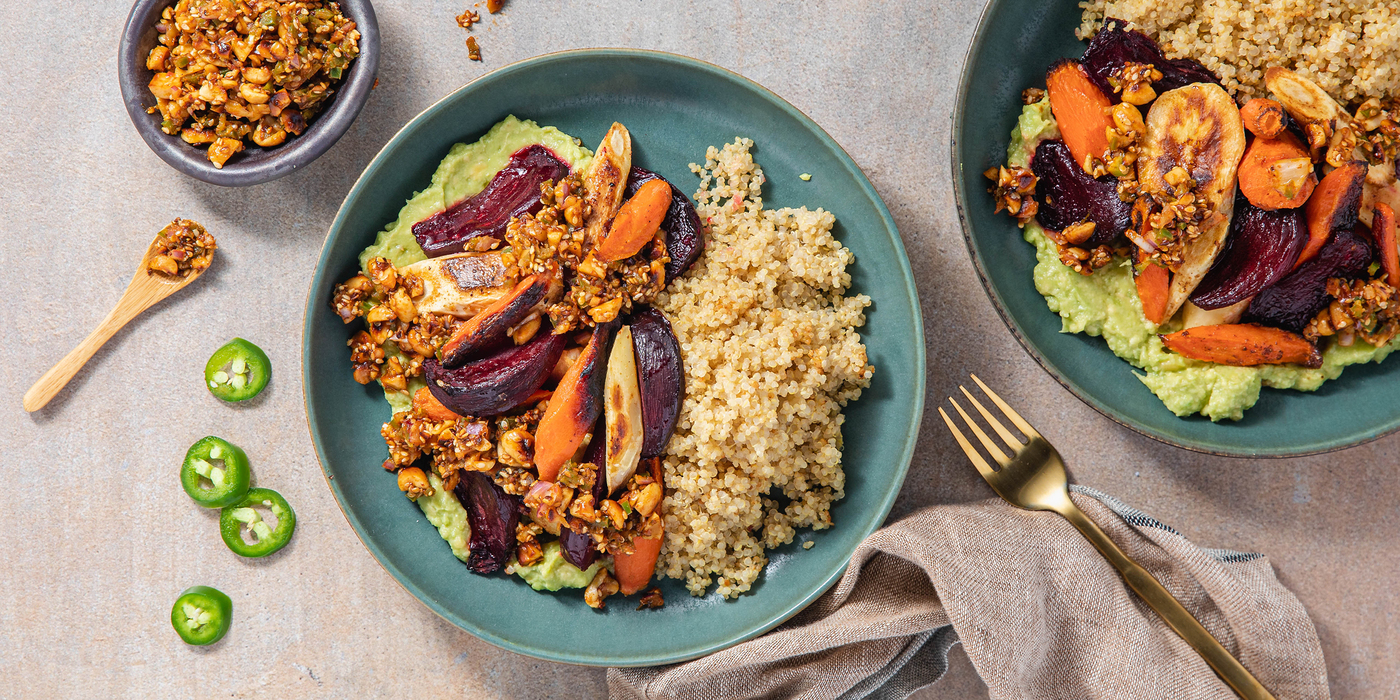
{"points": [[675, 107], [1015, 42]]}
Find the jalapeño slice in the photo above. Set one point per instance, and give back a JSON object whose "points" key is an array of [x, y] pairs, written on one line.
{"points": [[238, 371], [244, 516], [201, 615], [215, 473]]}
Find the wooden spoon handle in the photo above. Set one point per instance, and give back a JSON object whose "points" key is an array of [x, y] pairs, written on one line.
{"points": [[136, 300]]}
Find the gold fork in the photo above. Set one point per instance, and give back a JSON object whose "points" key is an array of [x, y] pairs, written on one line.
{"points": [[1033, 477]]}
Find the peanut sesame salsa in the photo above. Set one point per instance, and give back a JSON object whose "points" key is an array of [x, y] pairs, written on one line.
{"points": [[182, 247], [227, 71]]}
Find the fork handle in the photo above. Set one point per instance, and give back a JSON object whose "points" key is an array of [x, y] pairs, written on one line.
{"points": [[1176, 616]]}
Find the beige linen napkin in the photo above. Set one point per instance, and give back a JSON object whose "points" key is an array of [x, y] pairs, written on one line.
{"points": [[1040, 613]]}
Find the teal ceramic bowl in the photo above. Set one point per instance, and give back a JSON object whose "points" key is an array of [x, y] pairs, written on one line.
{"points": [[1015, 41], [675, 107]]}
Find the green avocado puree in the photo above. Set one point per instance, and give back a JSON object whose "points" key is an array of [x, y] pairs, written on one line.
{"points": [[552, 572], [1106, 304], [465, 171], [446, 514]]}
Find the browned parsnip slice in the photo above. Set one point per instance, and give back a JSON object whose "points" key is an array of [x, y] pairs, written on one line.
{"points": [[1196, 128], [622, 411], [606, 180]]}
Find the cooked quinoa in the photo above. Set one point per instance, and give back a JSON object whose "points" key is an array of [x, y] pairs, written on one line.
{"points": [[1349, 47], [771, 357]]}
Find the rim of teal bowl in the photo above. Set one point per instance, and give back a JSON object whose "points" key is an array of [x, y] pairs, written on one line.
{"points": [[907, 456], [961, 200]]}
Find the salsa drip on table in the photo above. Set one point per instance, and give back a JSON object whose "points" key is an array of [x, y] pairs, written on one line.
{"points": [[1269, 226], [544, 386]]}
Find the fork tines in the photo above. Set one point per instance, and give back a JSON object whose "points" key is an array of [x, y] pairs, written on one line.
{"points": [[1006, 435]]}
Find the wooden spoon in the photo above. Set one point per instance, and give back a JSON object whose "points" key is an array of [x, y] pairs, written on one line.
{"points": [[146, 288]]}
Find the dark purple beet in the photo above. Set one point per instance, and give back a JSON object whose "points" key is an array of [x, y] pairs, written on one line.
{"points": [[597, 454], [1298, 297], [497, 382], [684, 240], [492, 514], [577, 548], [1262, 248], [661, 374], [1068, 195], [1116, 45], [513, 191]]}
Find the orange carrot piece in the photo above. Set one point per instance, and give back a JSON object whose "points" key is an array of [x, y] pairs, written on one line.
{"points": [[1333, 205], [633, 571], [493, 322], [1383, 230], [1263, 117], [636, 222], [1081, 109], [1267, 176], [1243, 345], [538, 396], [430, 407], [573, 408], [1154, 288]]}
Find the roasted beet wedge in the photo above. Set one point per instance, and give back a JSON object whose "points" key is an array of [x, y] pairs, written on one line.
{"points": [[489, 329], [493, 515], [1116, 45], [1298, 297], [513, 191], [497, 382], [577, 548], [1068, 195], [684, 241], [662, 376], [1262, 248]]}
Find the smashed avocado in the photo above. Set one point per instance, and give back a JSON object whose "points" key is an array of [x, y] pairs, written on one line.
{"points": [[449, 517], [465, 171], [1106, 304], [552, 572]]}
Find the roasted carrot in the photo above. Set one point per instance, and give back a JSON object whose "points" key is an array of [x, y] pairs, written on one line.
{"points": [[1153, 287], [1263, 117], [491, 325], [1333, 205], [634, 570], [1081, 109], [1277, 173], [1243, 345], [574, 406], [430, 407], [1383, 230], [636, 222], [538, 396]]}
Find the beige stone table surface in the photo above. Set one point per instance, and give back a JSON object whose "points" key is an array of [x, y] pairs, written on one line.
{"points": [[100, 538]]}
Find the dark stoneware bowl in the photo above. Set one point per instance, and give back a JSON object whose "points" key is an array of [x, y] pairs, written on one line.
{"points": [[253, 165]]}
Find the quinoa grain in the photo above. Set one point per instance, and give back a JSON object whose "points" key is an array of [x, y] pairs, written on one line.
{"points": [[771, 358]]}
